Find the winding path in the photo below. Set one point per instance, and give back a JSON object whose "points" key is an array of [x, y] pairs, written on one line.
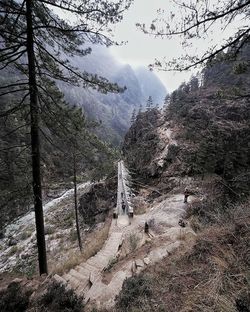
{"points": [[87, 278]]}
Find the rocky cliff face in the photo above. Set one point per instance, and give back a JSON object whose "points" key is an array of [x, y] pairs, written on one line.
{"points": [[98, 202], [113, 110]]}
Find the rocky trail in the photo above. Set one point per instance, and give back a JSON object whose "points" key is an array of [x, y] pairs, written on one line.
{"points": [[123, 254], [128, 250]]}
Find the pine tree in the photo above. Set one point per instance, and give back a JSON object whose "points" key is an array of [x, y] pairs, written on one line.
{"points": [[194, 84], [166, 100], [149, 104], [140, 109], [193, 21], [133, 117], [35, 41]]}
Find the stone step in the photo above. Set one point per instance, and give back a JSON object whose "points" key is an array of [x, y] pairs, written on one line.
{"points": [[94, 277], [103, 253], [74, 282], [97, 290], [99, 261], [115, 235], [59, 279], [108, 254], [90, 268], [83, 289], [83, 270], [114, 239], [115, 242], [81, 277], [97, 266]]}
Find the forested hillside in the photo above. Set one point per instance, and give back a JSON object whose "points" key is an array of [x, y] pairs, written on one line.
{"points": [[199, 143], [209, 119], [65, 134]]}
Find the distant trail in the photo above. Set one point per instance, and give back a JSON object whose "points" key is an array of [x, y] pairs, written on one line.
{"points": [[165, 135], [123, 209]]}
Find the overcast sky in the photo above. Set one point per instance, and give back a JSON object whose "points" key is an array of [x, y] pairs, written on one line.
{"points": [[142, 49]]}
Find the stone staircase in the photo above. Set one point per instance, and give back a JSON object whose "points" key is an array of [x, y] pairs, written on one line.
{"points": [[84, 277]]}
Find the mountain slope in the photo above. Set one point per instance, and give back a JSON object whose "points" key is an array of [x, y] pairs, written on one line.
{"points": [[200, 142], [113, 110]]}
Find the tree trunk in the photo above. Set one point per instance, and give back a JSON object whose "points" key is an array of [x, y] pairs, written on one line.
{"points": [[35, 142], [76, 210]]}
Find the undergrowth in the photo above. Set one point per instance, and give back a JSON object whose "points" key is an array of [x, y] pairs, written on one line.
{"points": [[135, 293], [14, 298], [57, 299]]}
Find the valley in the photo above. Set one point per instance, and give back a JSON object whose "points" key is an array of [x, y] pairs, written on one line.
{"points": [[117, 195]]}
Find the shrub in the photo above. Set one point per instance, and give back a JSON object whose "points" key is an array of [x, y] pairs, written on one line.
{"points": [[59, 299], [14, 299], [111, 263], [26, 234], [133, 241], [134, 291]]}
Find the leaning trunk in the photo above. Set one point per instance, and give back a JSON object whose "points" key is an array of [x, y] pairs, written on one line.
{"points": [[75, 199], [35, 142]]}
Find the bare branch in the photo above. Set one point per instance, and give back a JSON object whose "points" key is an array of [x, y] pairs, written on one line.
{"points": [[14, 91]]}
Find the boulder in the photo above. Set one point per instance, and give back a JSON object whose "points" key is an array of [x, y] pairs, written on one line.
{"points": [[12, 242], [139, 263], [146, 260]]}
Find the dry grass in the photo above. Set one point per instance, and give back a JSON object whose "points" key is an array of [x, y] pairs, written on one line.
{"points": [[211, 276], [134, 241], [91, 246], [140, 206], [183, 235]]}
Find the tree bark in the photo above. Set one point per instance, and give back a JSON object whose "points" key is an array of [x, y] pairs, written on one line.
{"points": [[35, 142], [75, 199]]}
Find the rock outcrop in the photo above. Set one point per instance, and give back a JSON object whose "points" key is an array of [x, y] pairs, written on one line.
{"points": [[96, 204]]}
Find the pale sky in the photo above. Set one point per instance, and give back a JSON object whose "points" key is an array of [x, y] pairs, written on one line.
{"points": [[142, 49]]}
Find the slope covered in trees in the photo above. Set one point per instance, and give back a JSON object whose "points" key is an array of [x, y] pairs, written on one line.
{"points": [[210, 122], [65, 132], [200, 142], [37, 41]]}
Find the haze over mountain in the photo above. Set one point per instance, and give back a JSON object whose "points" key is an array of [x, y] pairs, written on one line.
{"points": [[113, 110]]}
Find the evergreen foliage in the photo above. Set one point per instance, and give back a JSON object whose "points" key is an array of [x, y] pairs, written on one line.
{"points": [[197, 20], [133, 117], [35, 40], [64, 131], [215, 118], [149, 103]]}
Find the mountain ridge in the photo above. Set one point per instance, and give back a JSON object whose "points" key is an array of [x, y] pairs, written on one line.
{"points": [[113, 110]]}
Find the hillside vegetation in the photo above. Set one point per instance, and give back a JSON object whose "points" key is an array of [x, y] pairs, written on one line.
{"points": [[65, 133], [200, 141]]}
